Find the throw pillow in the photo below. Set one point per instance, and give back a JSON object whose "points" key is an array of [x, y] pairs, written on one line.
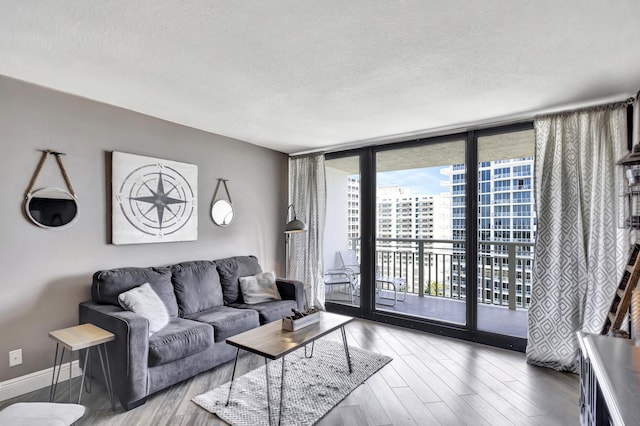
{"points": [[230, 270], [197, 286], [145, 302], [107, 285], [259, 288]]}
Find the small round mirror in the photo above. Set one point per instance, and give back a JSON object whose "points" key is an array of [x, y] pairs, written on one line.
{"points": [[222, 213], [52, 208]]}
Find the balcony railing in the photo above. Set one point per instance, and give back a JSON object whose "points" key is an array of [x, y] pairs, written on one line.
{"points": [[438, 268]]}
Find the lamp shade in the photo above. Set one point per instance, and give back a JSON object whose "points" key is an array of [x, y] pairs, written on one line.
{"points": [[295, 225]]}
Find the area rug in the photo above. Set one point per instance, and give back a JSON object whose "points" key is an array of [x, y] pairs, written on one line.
{"points": [[313, 386]]}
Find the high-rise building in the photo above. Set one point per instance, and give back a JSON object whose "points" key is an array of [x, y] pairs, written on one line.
{"points": [[353, 209], [506, 228], [403, 215]]}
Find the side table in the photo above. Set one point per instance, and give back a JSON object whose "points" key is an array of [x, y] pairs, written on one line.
{"points": [[84, 336]]}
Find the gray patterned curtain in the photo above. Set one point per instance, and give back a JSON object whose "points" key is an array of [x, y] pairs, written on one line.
{"points": [[580, 249], [307, 192]]}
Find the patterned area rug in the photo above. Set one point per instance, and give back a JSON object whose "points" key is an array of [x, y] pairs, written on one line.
{"points": [[313, 386]]}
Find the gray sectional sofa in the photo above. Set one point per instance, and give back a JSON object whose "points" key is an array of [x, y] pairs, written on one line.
{"points": [[205, 306]]}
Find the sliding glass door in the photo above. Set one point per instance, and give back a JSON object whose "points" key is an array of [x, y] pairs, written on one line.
{"points": [[420, 239]]}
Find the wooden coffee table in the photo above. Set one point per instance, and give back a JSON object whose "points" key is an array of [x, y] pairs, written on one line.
{"points": [[272, 342]]}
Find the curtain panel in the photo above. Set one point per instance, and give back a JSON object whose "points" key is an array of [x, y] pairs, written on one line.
{"points": [[307, 192], [580, 249]]}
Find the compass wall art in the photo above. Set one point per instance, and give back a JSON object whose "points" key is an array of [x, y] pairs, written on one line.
{"points": [[153, 200]]}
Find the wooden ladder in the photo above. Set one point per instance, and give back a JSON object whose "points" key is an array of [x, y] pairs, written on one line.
{"points": [[622, 298]]}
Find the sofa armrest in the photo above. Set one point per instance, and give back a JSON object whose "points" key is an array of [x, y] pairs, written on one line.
{"points": [[128, 353], [291, 290]]}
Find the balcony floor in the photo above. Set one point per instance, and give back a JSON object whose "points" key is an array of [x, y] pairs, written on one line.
{"points": [[491, 318]]}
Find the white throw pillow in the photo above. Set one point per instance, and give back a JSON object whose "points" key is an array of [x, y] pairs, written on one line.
{"points": [[145, 302], [259, 288]]}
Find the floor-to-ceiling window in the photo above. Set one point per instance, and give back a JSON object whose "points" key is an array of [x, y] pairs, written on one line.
{"points": [[442, 230], [506, 231], [342, 231]]}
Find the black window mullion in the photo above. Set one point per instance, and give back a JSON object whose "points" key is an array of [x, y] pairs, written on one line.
{"points": [[471, 235], [367, 236]]}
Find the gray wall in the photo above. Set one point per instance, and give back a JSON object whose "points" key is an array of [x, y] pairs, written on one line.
{"points": [[46, 273]]}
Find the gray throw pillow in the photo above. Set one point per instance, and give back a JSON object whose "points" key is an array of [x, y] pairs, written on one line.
{"points": [[230, 270], [145, 302], [197, 286], [259, 288], [107, 285]]}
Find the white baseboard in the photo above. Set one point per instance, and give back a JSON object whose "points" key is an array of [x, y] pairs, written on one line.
{"points": [[37, 380]]}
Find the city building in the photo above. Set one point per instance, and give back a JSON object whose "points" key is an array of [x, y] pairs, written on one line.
{"points": [[506, 228]]}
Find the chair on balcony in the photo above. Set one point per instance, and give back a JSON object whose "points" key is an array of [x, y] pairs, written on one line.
{"points": [[351, 270], [346, 276], [398, 284]]}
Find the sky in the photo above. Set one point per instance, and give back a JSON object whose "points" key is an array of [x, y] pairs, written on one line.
{"points": [[421, 181]]}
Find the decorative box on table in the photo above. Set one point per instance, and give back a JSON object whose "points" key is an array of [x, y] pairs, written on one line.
{"points": [[290, 324]]}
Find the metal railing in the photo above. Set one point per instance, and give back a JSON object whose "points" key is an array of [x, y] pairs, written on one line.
{"points": [[438, 268]]}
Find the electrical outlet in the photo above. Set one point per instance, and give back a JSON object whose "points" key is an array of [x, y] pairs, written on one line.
{"points": [[15, 357]]}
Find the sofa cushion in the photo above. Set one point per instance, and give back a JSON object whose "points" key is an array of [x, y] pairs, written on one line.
{"points": [[178, 339], [228, 321], [197, 286], [107, 285], [259, 288], [230, 270], [270, 311], [146, 303]]}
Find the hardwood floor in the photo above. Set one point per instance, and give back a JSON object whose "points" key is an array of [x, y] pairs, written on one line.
{"points": [[432, 380]]}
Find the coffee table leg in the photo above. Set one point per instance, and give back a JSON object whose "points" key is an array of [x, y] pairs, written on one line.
{"points": [[346, 348], [233, 375], [305, 350], [281, 392], [266, 372]]}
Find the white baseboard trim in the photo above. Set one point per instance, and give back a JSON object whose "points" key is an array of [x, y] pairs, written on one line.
{"points": [[37, 380]]}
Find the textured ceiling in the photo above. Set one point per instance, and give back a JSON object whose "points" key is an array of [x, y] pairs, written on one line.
{"points": [[300, 75]]}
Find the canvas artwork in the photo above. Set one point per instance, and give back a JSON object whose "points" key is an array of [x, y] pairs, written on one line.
{"points": [[153, 200]]}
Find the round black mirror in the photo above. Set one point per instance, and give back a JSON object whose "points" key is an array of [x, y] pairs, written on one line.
{"points": [[222, 213], [52, 208]]}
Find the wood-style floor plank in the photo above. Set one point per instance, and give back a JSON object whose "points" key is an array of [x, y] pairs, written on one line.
{"points": [[443, 415], [465, 412], [412, 404], [489, 413], [389, 401], [432, 380]]}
